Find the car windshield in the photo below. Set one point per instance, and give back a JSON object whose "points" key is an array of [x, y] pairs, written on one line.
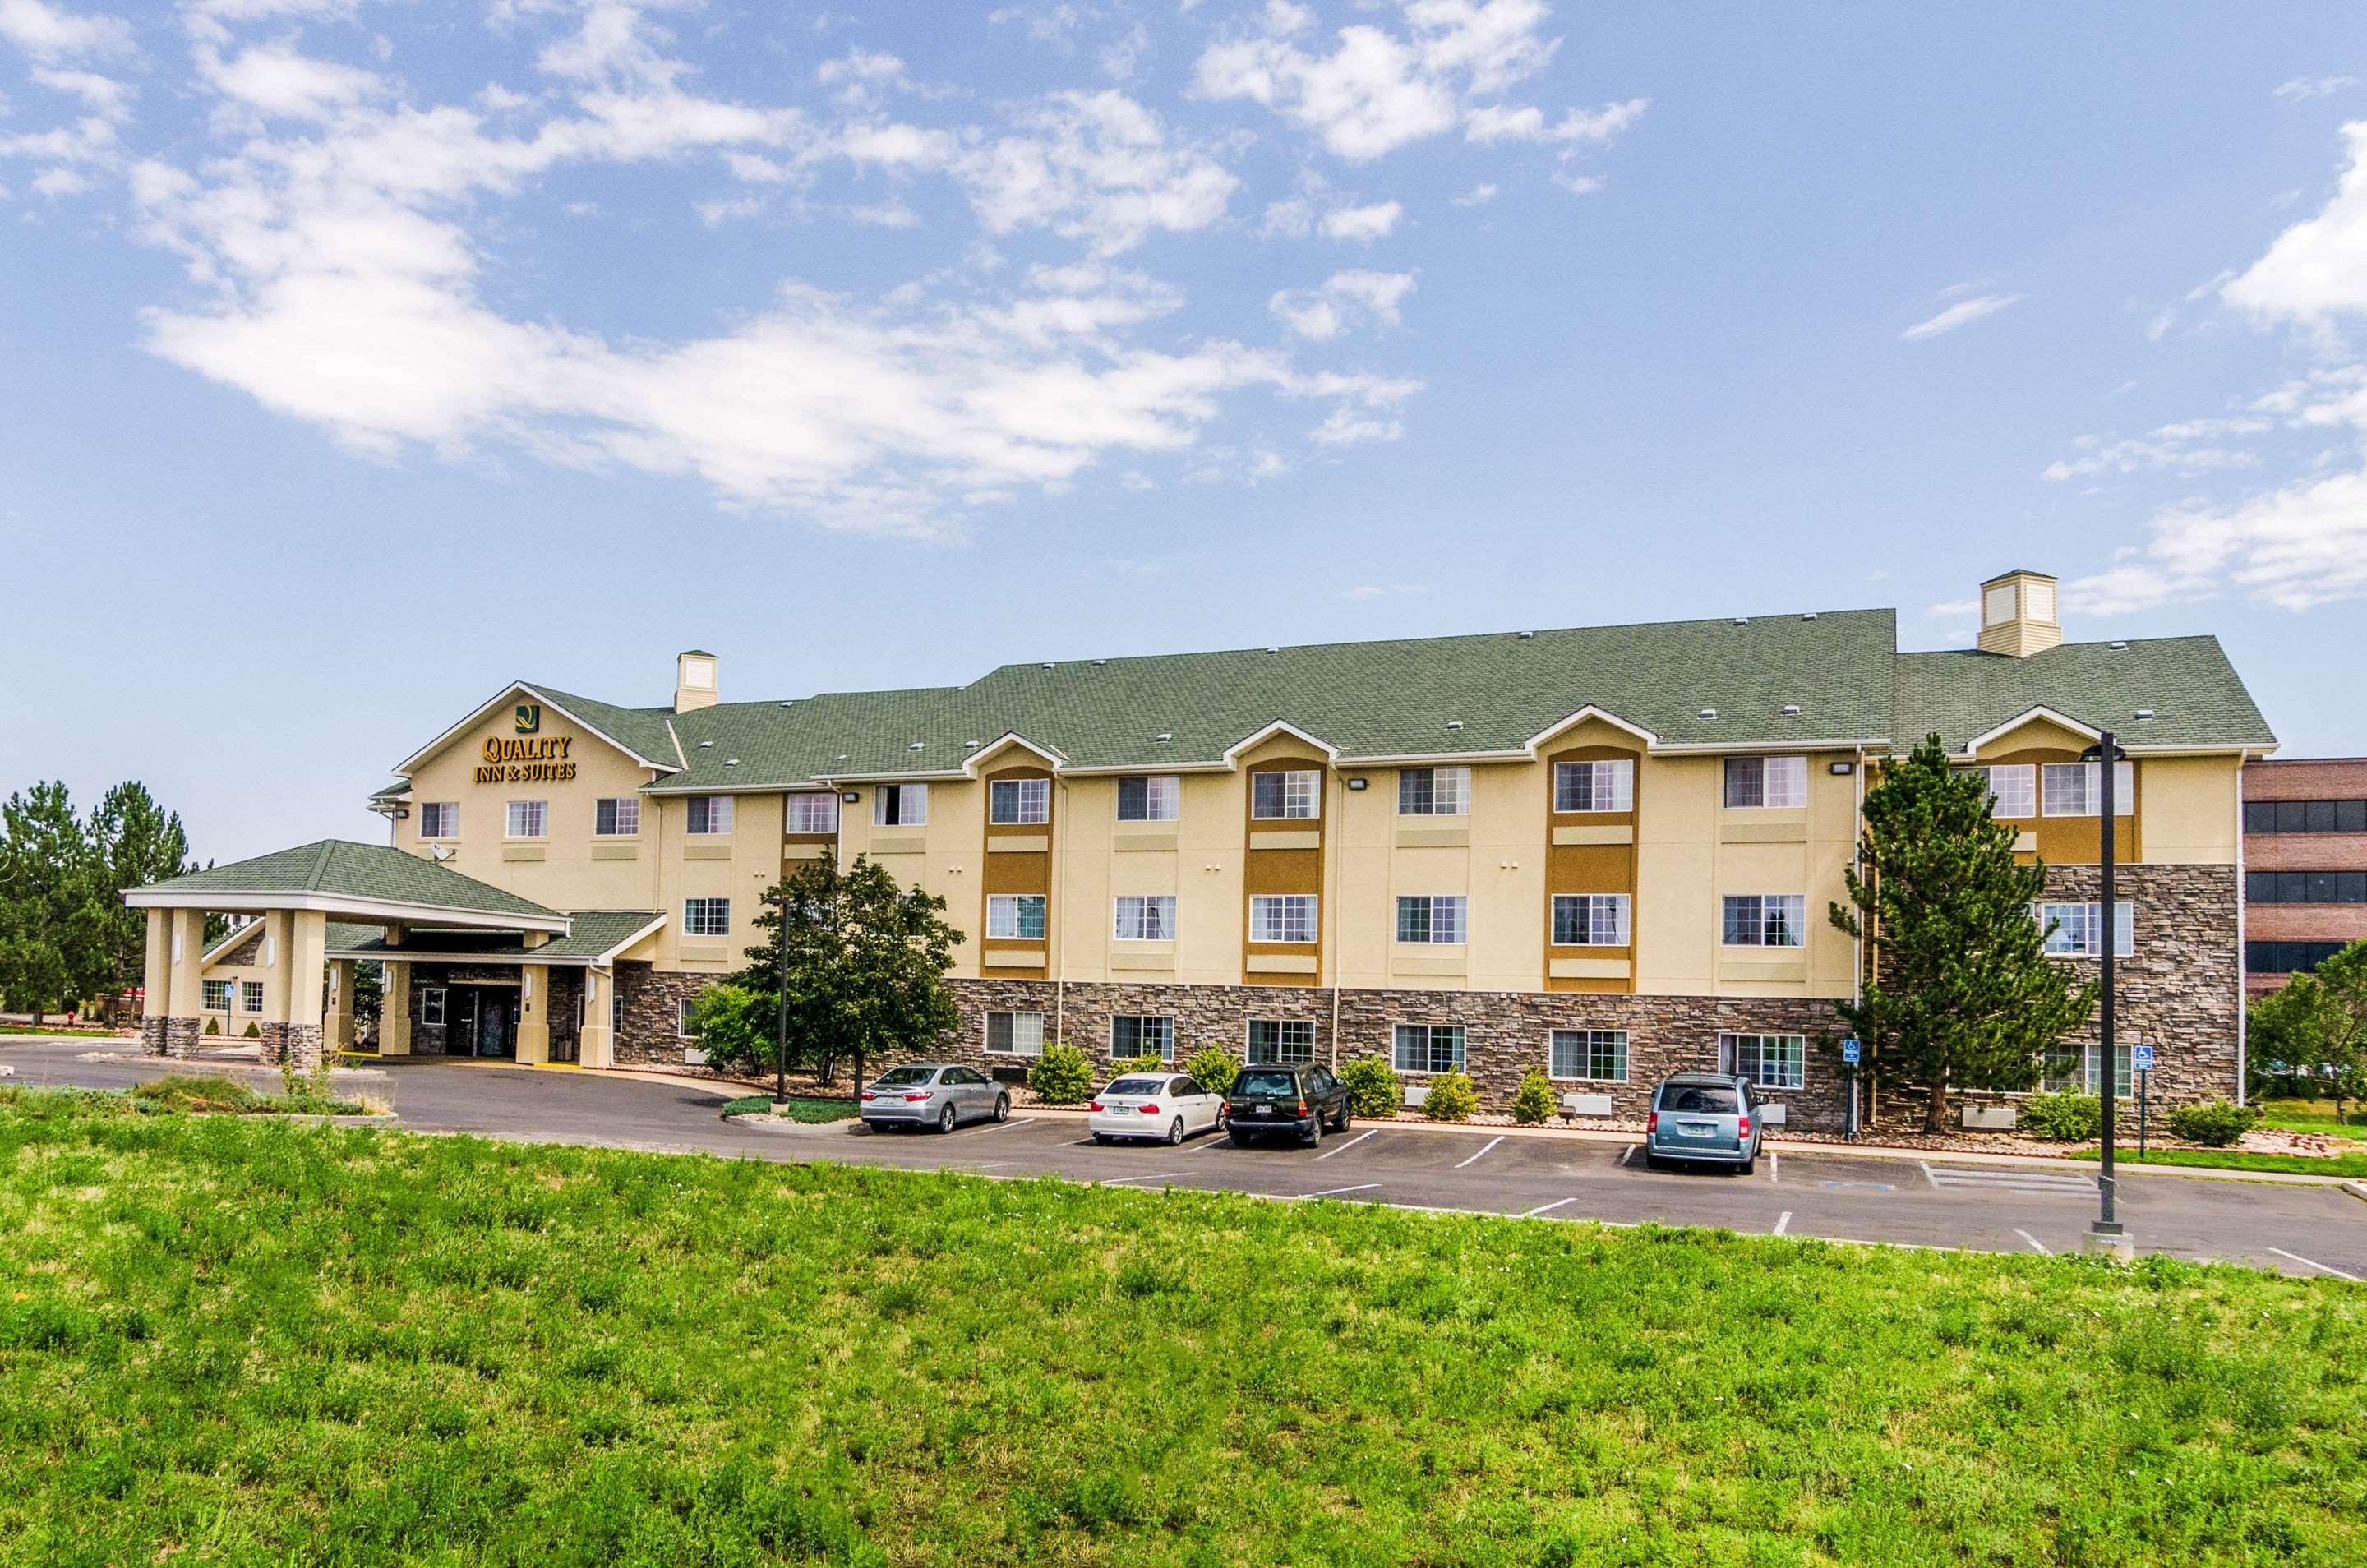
{"points": [[1699, 1098], [904, 1077], [1267, 1083], [1134, 1086]]}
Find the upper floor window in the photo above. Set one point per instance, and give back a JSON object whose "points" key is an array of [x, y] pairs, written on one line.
{"points": [[1147, 918], [706, 916], [618, 819], [529, 819], [1434, 792], [709, 814], [1013, 801], [1766, 919], [1015, 916], [2080, 928], [1299, 792], [1589, 919], [1158, 798], [811, 813], [2305, 886], [2288, 957], [2305, 817], [439, 819], [899, 806], [1282, 917], [1431, 920], [2013, 788], [1606, 784], [2076, 789], [1766, 781]]}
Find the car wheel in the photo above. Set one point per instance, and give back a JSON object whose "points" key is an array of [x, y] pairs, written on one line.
{"points": [[1747, 1166], [1654, 1162], [1002, 1108], [1102, 1138], [1340, 1123], [1314, 1135], [1175, 1132], [945, 1119], [1240, 1139]]}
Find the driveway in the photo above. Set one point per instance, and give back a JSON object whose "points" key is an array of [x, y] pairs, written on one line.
{"points": [[1843, 1197]]}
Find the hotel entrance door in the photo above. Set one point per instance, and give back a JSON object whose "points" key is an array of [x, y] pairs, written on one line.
{"points": [[488, 1022]]}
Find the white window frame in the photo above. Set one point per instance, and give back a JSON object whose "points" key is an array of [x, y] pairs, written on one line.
{"points": [[1166, 1052], [1746, 1056], [1162, 797], [1294, 1043], [439, 819], [2089, 798], [1442, 919], [2013, 790], [1794, 912], [1609, 919], [1143, 917], [1585, 1044], [432, 1004], [1004, 916], [1283, 913], [536, 814], [1427, 1039], [1302, 795], [2077, 937], [214, 996], [1030, 802], [626, 807], [1782, 784], [1434, 792], [695, 925], [683, 1009], [809, 805], [1014, 1045], [1605, 784], [713, 811], [911, 805]]}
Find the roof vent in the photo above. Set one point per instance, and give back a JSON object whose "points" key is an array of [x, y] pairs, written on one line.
{"points": [[1047, 664], [790, 704], [1099, 662], [1525, 636], [705, 744], [1164, 735], [1273, 650], [2119, 645], [842, 756], [913, 747], [730, 762], [1809, 616], [1709, 713], [1792, 709], [973, 745], [2144, 712], [1741, 620], [1453, 724]]}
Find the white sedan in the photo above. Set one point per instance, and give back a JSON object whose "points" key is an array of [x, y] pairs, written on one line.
{"points": [[1167, 1106]]}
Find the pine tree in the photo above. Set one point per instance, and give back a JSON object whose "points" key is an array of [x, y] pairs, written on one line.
{"points": [[134, 841], [1960, 991], [48, 891]]}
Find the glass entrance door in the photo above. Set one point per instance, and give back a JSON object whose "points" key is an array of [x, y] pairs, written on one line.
{"points": [[497, 1023]]}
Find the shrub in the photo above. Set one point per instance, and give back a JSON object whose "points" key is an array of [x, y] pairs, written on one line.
{"points": [[1138, 1064], [213, 1026], [1372, 1086], [1061, 1076], [1451, 1099], [2063, 1118], [1215, 1068], [2214, 1126], [1533, 1102], [254, 1032]]}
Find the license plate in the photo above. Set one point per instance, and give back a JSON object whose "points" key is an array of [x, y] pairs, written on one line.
{"points": [[1265, 1110], [1696, 1129]]}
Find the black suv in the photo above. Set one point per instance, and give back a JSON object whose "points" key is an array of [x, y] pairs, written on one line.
{"points": [[1304, 1100]]}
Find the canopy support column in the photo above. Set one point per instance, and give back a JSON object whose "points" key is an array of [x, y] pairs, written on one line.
{"points": [[534, 1014], [394, 1017]]}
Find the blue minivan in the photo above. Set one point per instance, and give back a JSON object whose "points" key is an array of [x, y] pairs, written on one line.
{"points": [[1703, 1119]]}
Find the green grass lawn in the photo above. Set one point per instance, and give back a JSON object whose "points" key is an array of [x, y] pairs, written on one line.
{"points": [[812, 1110], [230, 1340], [2315, 1116], [2352, 1165]]}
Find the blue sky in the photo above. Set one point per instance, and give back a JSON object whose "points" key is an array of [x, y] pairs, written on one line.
{"points": [[361, 357]]}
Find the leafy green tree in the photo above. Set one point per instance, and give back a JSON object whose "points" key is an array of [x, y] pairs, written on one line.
{"points": [[49, 922], [865, 960], [131, 841], [733, 1024], [2315, 1024], [1961, 991]]}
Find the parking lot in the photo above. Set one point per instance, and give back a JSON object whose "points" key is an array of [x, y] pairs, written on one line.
{"points": [[1834, 1195]]}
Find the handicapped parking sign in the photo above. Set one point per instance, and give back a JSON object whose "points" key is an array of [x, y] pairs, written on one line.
{"points": [[2141, 1058], [1850, 1048]]}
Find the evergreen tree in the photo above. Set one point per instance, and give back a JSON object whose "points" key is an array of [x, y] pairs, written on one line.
{"points": [[1960, 990], [134, 841], [47, 889]]}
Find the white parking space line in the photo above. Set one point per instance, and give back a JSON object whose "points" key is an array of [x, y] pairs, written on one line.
{"points": [[1343, 1148], [2314, 1263], [1145, 1176], [1782, 1223], [1927, 1174], [996, 1127], [1490, 1144], [1774, 1167], [1545, 1208], [1630, 1154], [1214, 1140], [1335, 1192], [2036, 1246], [2010, 1179]]}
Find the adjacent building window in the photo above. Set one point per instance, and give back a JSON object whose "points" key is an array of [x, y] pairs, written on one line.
{"points": [[2305, 886], [1603, 785], [1150, 917], [1766, 919], [439, 819], [899, 806], [1589, 919], [1278, 796], [250, 996], [1011, 802], [216, 997], [1159, 799], [1434, 792], [2305, 817], [2080, 928], [2013, 788], [708, 814], [706, 916], [1594, 1055], [431, 1004], [1766, 781], [1015, 1033], [1428, 1048], [809, 813], [2076, 789], [1143, 1034], [1282, 917], [1771, 1061], [1281, 1041], [2288, 957], [618, 819], [1015, 916], [1431, 920], [529, 819]]}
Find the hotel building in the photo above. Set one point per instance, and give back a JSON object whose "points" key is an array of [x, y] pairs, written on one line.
{"points": [[1604, 853]]}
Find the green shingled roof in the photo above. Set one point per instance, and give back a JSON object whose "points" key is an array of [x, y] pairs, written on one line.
{"points": [[642, 729], [593, 933], [2186, 682], [341, 868]]}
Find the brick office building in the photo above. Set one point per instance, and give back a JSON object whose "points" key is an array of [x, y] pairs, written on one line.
{"points": [[2304, 864]]}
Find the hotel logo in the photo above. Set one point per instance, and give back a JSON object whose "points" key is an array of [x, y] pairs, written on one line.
{"points": [[530, 718]]}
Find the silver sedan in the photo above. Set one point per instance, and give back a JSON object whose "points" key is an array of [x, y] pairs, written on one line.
{"points": [[942, 1095]]}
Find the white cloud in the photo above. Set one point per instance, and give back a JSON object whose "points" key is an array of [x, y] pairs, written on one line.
{"points": [[1347, 426], [273, 79], [1365, 591], [1498, 123], [2190, 448], [1323, 311], [1364, 223], [103, 95], [2303, 87], [2318, 267], [1475, 196], [2296, 548], [1096, 166], [1958, 314], [49, 32]]}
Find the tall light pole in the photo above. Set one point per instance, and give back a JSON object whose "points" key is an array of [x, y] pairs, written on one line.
{"points": [[2108, 1234], [781, 1022]]}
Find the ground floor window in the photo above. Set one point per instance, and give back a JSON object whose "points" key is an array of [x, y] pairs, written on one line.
{"points": [[685, 1016], [1428, 1048], [1771, 1061], [2080, 928], [1281, 1041], [2082, 1069], [250, 996], [1143, 1034], [1594, 1054], [1015, 1033], [1017, 917], [217, 996], [431, 1004]]}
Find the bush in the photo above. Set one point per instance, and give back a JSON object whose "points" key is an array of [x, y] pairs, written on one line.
{"points": [[1061, 1076], [1533, 1102], [2063, 1118], [213, 1026], [1372, 1087], [1138, 1064], [1215, 1068], [2214, 1126], [1451, 1099], [254, 1032]]}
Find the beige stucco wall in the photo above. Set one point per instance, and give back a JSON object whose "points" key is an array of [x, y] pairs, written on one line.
{"points": [[741, 866], [2191, 808]]}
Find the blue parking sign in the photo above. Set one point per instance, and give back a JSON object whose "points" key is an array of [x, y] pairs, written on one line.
{"points": [[1848, 1053], [2141, 1058]]}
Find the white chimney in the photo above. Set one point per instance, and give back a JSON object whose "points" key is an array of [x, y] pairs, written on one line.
{"points": [[2018, 615], [694, 680]]}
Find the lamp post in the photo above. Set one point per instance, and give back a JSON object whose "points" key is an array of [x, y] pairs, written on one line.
{"points": [[781, 1023], [2108, 1236]]}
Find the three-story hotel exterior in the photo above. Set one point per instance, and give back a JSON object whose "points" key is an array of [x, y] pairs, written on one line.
{"points": [[1605, 852]]}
